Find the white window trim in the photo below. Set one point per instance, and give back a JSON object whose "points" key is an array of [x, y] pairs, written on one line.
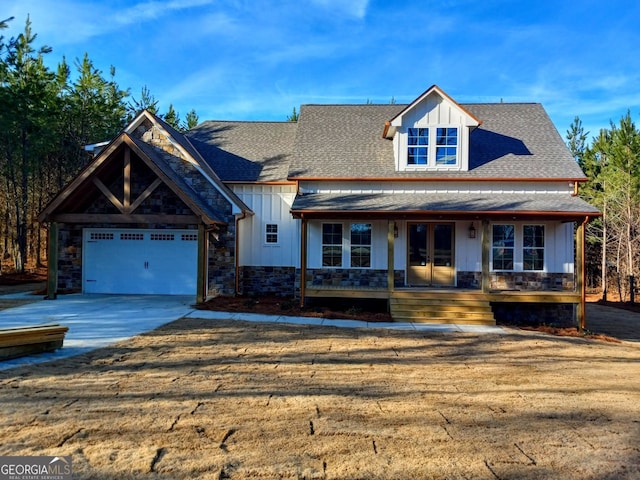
{"points": [[322, 245], [431, 157], [518, 248], [370, 245], [543, 248], [514, 248], [346, 245], [267, 233]]}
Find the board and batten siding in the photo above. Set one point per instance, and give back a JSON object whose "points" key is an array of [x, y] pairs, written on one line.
{"points": [[271, 204], [414, 187], [433, 112]]}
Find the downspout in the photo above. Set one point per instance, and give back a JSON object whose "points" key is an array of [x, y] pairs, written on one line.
{"points": [[238, 218]]}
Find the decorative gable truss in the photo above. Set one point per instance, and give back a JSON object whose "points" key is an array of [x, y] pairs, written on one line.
{"points": [[432, 133], [145, 177]]}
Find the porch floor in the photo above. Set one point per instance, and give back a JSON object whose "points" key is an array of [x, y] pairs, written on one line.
{"points": [[507, 296]]}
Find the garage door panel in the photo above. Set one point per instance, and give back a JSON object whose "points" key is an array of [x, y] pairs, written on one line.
{"points": [[140, 261]]}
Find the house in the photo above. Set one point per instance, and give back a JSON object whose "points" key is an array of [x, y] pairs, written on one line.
{"points": [[450, 212]]}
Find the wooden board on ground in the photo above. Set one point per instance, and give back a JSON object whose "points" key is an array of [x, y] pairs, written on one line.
{"points": [[21, 341]]}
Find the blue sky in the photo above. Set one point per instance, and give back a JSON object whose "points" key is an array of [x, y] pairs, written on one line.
{"points": [[257, 59]]}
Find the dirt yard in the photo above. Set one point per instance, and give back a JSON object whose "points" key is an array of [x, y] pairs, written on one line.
{"points": [[235, 400]]}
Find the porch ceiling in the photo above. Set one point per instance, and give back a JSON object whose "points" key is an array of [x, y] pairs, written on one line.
{"points": [[451, 205]]}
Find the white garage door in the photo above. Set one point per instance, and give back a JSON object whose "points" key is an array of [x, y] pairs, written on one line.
{"points": [[140, 261]]}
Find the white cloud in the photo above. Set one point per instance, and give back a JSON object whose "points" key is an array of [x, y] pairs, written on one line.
{"points": [[151, 10], [354, 8]]}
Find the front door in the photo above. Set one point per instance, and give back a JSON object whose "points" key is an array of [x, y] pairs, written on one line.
{"points": [[430, 254]]}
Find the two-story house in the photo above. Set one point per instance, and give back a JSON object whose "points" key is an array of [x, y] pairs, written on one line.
{"points": [[450, 212]]}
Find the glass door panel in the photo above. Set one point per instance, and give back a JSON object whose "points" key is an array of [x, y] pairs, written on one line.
{"points": [[430, 254]]}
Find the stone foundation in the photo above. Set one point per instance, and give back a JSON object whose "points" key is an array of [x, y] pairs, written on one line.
{"points": [[469, 280], [533, 281], [346, 278], [280, 281]]}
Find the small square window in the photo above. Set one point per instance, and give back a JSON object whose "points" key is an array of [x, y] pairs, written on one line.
{"points": [[271, 233]]}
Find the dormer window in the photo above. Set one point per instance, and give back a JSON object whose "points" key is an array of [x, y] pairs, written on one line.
{"points": [[447, 146], [425, 152], [431, 133], [418, 141]]}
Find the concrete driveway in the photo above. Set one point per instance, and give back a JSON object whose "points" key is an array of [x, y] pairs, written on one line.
{"points": [[94, 321]]}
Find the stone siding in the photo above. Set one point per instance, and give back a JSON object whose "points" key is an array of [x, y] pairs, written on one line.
{"points": [[347, 277], [279, 281], [221, 262], [69, 258], [533, 281], [469, 280]]}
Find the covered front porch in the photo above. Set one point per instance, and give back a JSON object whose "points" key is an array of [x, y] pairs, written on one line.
{"points": [[453, 279]]}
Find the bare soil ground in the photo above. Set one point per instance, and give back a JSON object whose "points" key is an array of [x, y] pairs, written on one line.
{"points": [[204, 399], [234, 400]]}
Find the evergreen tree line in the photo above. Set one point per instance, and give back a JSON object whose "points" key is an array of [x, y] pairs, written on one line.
{"points": [[46, 119], [611, 161]]}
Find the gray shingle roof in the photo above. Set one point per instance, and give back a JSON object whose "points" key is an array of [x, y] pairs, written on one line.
{"points": [[246, 151], [345, 141], [441, 202]]}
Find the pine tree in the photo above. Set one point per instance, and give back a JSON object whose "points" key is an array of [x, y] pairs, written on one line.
{"points": [[293, 117]]}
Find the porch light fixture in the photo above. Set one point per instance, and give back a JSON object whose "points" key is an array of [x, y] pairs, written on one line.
{"points": [[472, 231], [395, 230]]}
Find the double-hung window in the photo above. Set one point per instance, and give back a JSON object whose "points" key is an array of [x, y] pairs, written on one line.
{"points": [[361, 245], [271, 233], [533, 247], [418, 152], [503, 246], [446, 146], [331, 244]]}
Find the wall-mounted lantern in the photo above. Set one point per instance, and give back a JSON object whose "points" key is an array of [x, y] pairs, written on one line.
{"points": [[472, 231], [395, 230]]}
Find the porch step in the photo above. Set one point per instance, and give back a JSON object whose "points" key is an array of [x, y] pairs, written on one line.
{"points": [[441, 307]]}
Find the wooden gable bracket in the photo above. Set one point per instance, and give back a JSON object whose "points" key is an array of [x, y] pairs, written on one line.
{"points": [[126, 207]]}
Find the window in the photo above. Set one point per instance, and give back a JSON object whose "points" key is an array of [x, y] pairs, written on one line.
{"points": [[441, 151], [132, 236], [361, 245], [418, 153], [271, 233], [447, 146], [163, 236], [101, 236], [533, 247], [503, 246], [332, 245]]}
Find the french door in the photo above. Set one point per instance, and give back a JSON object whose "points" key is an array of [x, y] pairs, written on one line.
{"points": [[430, 254]]}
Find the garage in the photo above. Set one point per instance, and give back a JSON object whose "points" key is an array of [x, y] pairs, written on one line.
{"points": [[138, 261]]}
